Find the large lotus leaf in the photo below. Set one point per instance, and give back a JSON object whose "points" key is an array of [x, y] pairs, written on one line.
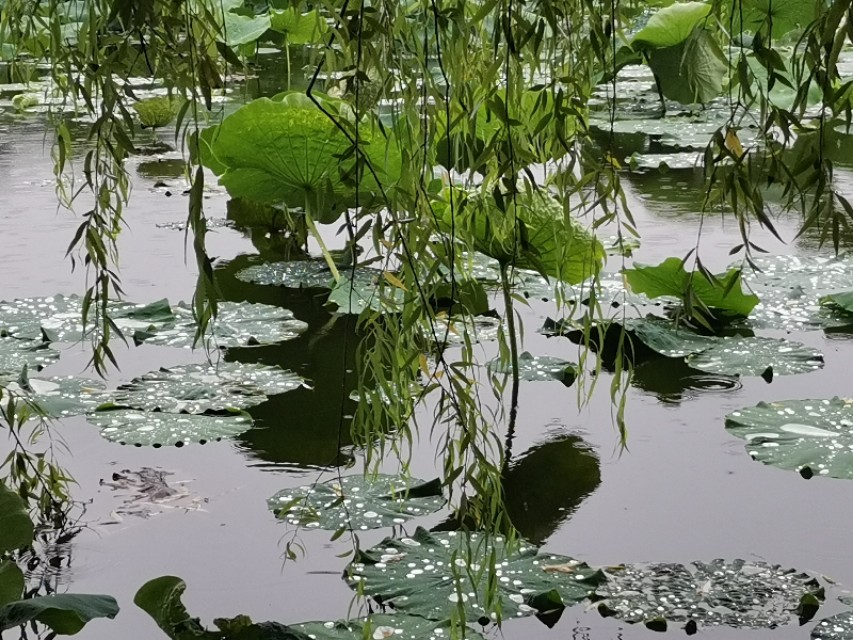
{"points": [[17, 354], [813, 437], [783, 15], [354, 294], [156, 429], [288, 151], [299, 28], [837, 627], [200, 388], [670, 279], [532, 231], [296, 274], [358, 502], [65, 613], [240, 29], [738, 594], [539, 368], [12, 582], [669, 338], [446, 332], [238, 324], [380, 625], [810, 273], [690, 72], [671, 25], [431, 574], [16, 528], [59, 396], [755, 356]]}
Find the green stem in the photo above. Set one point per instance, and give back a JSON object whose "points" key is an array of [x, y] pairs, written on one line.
{"points": [[312, 228], [513, 344]]}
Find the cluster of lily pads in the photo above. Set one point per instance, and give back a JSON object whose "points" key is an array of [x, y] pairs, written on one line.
{"points": [[174, 406]]}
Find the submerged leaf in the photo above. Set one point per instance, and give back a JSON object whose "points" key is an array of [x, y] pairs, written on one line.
{"points": [[155, 428], [357, 502], [812, 437], [431, 574]]}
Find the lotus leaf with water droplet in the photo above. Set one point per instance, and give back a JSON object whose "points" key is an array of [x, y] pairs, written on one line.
{"points": [[17, 354], [160, 429], [837, 627], [538, 368], [432, 574], [358, 502], [380, 626]]}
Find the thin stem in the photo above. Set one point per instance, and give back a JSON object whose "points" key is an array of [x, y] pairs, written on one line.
{"points": [[513, 344], [309, 221]]}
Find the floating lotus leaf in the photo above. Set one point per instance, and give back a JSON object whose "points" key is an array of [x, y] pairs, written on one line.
{"points": [[837, 627], [539, 368], [670, 279], [737, 594], [754, 356], [667, 337], [810, 273], [156, 429], [17, 354], [296, 274], [65, 613], [60, 318], [238, 324], [200, 388], [357, 501], [354, 294], [430, 574], [813, 437], [380, 626], [60, 396], [454, 332]]}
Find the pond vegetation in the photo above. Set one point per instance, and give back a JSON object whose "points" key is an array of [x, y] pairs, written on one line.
{"points": [[417, 179]]}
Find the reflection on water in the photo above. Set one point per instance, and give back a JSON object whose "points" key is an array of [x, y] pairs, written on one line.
{"points": [[672, 380]]}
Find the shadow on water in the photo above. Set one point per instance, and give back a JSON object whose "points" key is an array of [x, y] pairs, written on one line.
{"points": [[306, 427], [672, 380]]}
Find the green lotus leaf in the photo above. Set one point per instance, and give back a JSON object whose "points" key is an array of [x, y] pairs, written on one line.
{"points": [[448, 332], [201, 388], [240, 29], [59, 396], [737, 594], [238, 324], [812, 437], [288, 151], [18, 354], [690, 72], [671, 25], [431, 574], [379, 625], [538, 368], [59, 317], [358, 502], [670, 279], [65, 614], [354, 294], [16, 528], [784, 16], [12, 581], [296, 274], [299, 28], [159, 429], [155, 112], [837, 627], [755, 356], [532, 232], [669, 338]]}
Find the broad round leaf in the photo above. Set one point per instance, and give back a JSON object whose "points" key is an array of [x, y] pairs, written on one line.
{"points": [[12, 582], [65, 613], [668, 337], [431, 574], [154, 428], [813, 437], [538, 368], [60, 396], [357, 501], [296, 274], [671, 25], [380, 626], [837, 627], [200, 388], [737, 594], [16, 528], [754, 356], [17, 354], [238, 324]]}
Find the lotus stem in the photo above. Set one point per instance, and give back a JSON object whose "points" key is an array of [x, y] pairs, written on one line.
{"points": [[312, 228], [513, 343]]}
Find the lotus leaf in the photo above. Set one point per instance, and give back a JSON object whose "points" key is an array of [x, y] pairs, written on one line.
{"points": [[738, 594], [12, 582], [240, 29], [200, 388], [238, 324], [669, 338], [810, 273], [16, 354], [16, 528], [670, 279], [451, 332], [381, 626], [298, 28], [539, 368], [158, 111], [783, 15], [431, 574], [754, 356], [358, 502], [60, 318], [837, 627], [296, 274], [812, 437], [288, 151], [154, 428], [532, 231], [671, 25], [65, 613], [354, 294], [59, 396], [692, 71]]}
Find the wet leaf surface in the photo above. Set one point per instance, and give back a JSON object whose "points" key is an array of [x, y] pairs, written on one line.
{"points": [[754, 356], [380, 626], [154, 428], [538, 368], [60, 396], [358, 502], [16, 354], [297, 274], [837, 627]]}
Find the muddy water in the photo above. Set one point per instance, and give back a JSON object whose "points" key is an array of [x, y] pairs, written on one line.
{"points": [[684, 490]]}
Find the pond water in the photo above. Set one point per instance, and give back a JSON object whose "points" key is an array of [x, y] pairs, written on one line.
{"points": [[684, 489]]}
